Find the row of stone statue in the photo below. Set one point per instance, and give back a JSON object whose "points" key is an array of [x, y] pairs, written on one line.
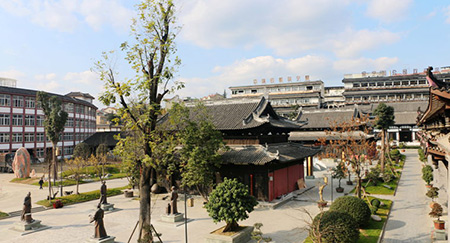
{"points": [[100, 232]]}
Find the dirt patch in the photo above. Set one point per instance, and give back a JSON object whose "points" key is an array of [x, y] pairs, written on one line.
{"points": [[230, 233]]}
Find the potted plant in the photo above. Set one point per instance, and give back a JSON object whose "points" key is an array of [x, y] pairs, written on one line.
{"points": [[230, 201], [427, 175], [436, 212], [432, 193], [339, 173], [322, 203], [349, 182]]}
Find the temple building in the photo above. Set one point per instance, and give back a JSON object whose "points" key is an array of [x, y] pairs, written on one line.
{"points": [[435, 134], [260, 154]]}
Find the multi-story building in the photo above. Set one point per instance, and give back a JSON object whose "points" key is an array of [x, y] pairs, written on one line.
{"points": [[22, 121], [285, 98], [375, 87]]}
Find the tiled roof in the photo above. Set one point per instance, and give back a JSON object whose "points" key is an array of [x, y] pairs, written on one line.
{"points": [[234, 114], [20, 91], [260, 154], [316, 135], [326, 117], [102, 137], [434, 104]]}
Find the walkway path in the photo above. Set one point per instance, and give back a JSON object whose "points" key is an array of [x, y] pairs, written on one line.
{"points": [[409, 220]]}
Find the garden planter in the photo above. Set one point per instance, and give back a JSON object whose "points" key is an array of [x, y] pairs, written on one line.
{"points": [[432, 204], [349, 183], [439, 224], [128, 193], [322, 204], [403, 150], [339, 189], [57, 204], [429, 185], [241, 236]]}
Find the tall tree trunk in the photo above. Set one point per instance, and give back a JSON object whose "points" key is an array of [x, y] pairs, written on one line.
{"points": [[145, 234], [49, 180], [383, 149], [358, 182], [55, 176]]}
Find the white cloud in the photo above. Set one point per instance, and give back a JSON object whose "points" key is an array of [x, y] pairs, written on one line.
{"points": [[352, 43], [13, 73], [364, 64], [447, 14], [387, 10], [67, 15], [86, 77], [299, 27], [243, 72], [48, 76]]}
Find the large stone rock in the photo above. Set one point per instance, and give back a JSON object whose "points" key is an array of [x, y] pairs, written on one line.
{"points": [[375, 217], [21, 163]]}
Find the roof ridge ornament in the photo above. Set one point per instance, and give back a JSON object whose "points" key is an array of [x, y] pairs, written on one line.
{"points": [[433, 81]]}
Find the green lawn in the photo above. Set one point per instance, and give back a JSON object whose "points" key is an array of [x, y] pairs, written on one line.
{"points": [[68, 182], [3, 215], [82, 197], [372, 231], [380, 189]]}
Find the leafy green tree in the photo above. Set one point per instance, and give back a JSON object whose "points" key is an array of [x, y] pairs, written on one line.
{"points": [[150, 57], [385, 119], [200, 145], [230, 202], [55, 119], [82, 150], [76, 165], [339, 172], [102, 156]]}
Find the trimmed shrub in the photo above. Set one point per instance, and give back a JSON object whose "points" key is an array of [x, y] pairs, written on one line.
{"points": [[427, 174], [355, 207], [333, 226]]}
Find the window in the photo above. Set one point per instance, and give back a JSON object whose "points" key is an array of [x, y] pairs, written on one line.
{"points": [[5, 100], [380, 84], [309, 87], [388, 84], [397, 83], [372, 84], [68, 107], [405, 82], [4, 137], [413, 82], [364, 84], [4, 119], [30, 102], [29, 120], [422, 82], [17, 120], [40, 152], [254, 91], [69, 122], [29, 137], [17, 137], [68, 150], [39, 121], [17, 101], [40, 137], [68, 137]]}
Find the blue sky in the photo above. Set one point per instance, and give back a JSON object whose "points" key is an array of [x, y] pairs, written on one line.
{"points": [[51, 45]]}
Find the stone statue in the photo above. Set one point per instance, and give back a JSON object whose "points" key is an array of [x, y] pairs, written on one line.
{"points": [[173, 201], [100, 231], [103, 191], [325, 181], [26, 211]]}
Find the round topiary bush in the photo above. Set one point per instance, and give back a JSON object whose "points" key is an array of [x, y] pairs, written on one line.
{"points": [[354, 206], [333, 226]]}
